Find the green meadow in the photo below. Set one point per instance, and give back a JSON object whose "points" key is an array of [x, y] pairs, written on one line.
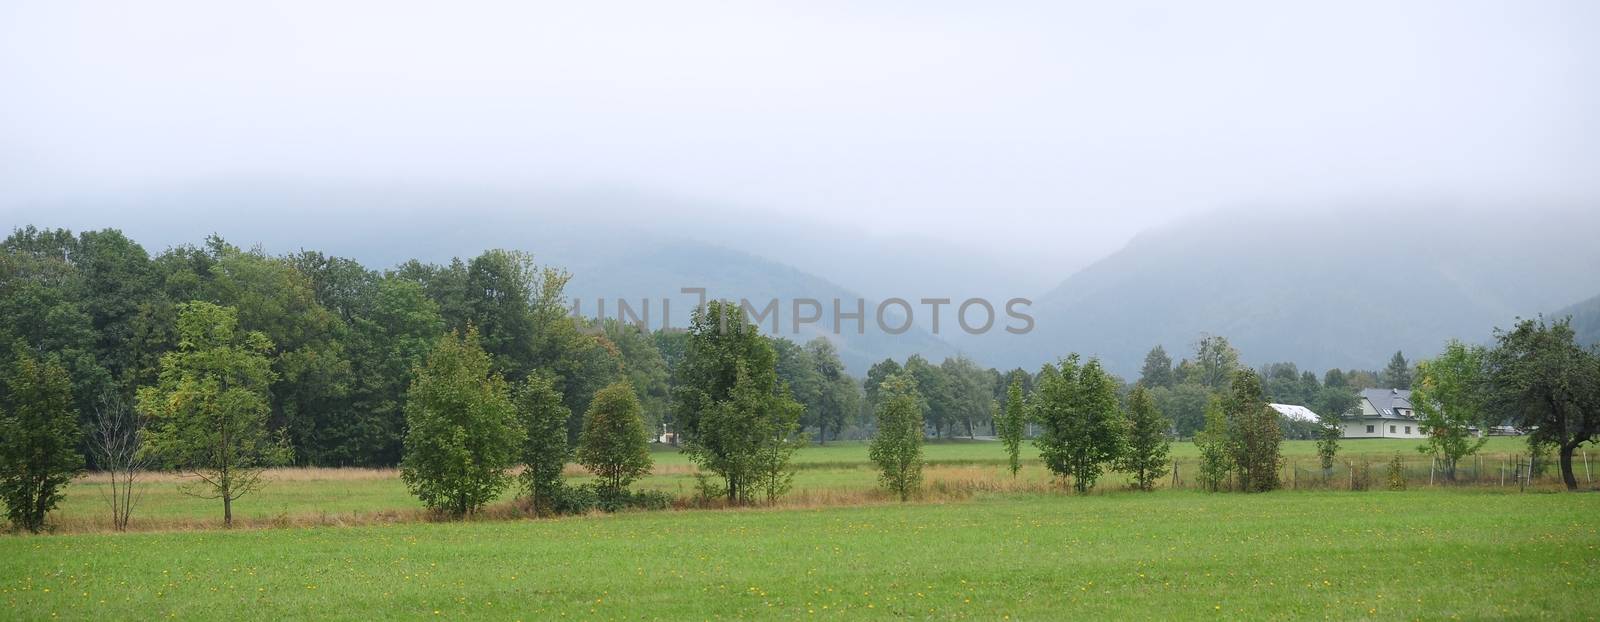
{"points": [[1457, 553]]}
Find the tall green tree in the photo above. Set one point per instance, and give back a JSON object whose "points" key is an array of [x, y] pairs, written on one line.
{"points": [[1145, 454], [1254, 434], [545, 452], [1010, 425], [1398, 374], [39, 438], [1157, 370], [463, 432], [209, 406], [614, 446], [1449, 393], [1082, 427], [1541, 380], [736, 419], [1215, 360], [897, 445]]}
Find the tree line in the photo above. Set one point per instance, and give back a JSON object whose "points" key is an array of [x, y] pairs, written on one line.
{"points": [[224, 361]]}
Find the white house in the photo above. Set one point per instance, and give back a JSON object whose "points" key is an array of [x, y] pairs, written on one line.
{"points": [[1385, 413]]}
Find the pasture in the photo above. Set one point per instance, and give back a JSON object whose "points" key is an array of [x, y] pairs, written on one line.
{"points": [[834, 474]]}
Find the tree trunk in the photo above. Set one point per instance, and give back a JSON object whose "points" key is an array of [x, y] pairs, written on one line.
{"points": [[1567, 476], [227, 510]]}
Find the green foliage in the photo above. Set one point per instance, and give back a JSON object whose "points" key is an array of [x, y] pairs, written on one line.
{"points": [[737, 421], [209, 407], [1331, 403], [545, 452], [613, 445], [1184, 405], [838, 395], [1082, 427], [1448, 394], [1011, 424], [968, 393], [1145, 454], [1216, 455], [38, 438], [897, 445], [463, 430], [1253, 434], [1544, 382]]}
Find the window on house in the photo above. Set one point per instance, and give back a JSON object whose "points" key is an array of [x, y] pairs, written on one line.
{"points": [[1369, 429], [1408, 429], [1391, 429]]}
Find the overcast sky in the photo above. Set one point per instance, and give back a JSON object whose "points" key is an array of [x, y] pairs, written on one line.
{"points": [[954, 120]]}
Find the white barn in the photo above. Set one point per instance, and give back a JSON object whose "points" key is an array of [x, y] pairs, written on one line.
{"points": [[1295, 413], [1384, 413]]}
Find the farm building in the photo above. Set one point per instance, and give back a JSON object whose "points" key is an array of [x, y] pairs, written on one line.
{"points": [[1295, 413], [1385, 413]]}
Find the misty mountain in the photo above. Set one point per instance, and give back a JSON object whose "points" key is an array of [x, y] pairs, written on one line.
{"points": [[1322, 288], [1585, 320]]}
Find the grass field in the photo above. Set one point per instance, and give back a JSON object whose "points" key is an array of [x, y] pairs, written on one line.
{"points": [[838, 473], [1469, 553]]}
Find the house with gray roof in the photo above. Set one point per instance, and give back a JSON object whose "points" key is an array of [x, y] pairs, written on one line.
{"points": [[1384, 413]]}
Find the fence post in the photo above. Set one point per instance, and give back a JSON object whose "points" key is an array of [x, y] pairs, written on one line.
{"points": [[1586, 474], [1431, 464]]}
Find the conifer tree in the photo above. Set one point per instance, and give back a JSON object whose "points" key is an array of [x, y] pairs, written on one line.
{"points": [[1145, 454]]}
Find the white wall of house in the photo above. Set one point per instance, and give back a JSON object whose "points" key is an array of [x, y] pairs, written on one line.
{"points": [[1383, 428]]}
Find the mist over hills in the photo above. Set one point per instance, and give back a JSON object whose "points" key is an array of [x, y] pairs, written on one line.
{"points": [[1322, 287], [1326, 288]]}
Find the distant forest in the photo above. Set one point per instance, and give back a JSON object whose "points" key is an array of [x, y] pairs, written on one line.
{"points": [[346, 339]]}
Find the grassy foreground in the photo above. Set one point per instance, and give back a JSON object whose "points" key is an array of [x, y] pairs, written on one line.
{"points": [[1176, 554]]}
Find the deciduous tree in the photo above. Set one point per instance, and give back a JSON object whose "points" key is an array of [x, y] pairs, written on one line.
{"points": [[1010, 424], [613, 445], [1254, 434], [38, 438], [463, 430], [209, 407], [1082, 428], [897, 445], [1544, 382], [1449, 393], [545, 452]]}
